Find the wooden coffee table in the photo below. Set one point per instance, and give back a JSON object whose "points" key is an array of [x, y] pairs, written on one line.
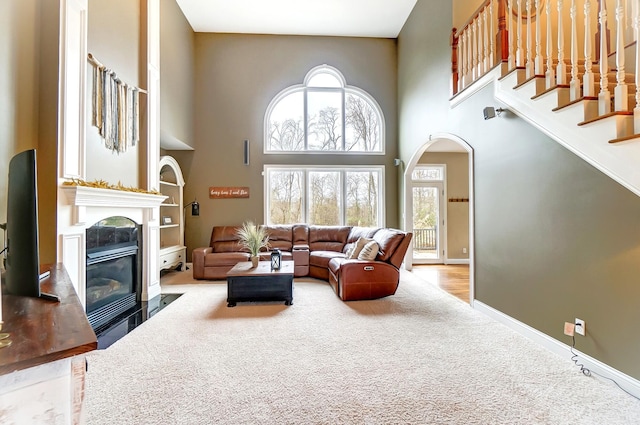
{"points": [[260, 284]]}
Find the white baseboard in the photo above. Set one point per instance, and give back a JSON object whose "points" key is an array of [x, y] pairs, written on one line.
{"points": [[457, 261], [630, 384]]}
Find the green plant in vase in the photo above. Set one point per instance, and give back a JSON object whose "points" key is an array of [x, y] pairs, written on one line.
{"points": [[253, 238]]}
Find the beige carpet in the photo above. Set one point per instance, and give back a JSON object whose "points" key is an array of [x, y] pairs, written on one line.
{"points": [[419, 357]]}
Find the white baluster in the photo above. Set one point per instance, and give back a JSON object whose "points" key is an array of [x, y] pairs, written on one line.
{"points": [[588, 79], [512, 57], [463, 52], [474, 50], [561, 70], [550, 74], [469, 56], [604, 97], [539, 62], [530, 66], [519, 51], [487, 53], [492, 35], [636, 27], [574, 84], [481, 51], [621, 92]]}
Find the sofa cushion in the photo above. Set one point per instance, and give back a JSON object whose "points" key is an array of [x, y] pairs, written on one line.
{"points": [[225, 239], [369, 251], [225, 259], [388, 240], [322, 258], [280, 237], [300, 234], [328, 238]]}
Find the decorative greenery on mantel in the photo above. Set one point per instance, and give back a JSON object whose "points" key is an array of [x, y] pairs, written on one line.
{"points": [[101, 184]]}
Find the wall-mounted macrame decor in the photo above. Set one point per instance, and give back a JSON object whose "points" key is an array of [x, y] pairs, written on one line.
{"points": [[115, 108]]}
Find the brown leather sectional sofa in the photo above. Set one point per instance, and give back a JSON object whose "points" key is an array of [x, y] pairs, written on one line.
{"points": [[319, 252]]}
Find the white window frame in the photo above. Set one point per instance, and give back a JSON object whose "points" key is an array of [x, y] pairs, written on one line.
{"points": [[331, 168], [305, 88]]}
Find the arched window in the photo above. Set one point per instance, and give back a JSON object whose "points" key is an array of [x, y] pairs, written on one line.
{"points": [[324, 114]]}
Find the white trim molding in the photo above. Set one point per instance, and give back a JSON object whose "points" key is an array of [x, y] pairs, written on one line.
{"points": [[629, 384], [457, 261]]}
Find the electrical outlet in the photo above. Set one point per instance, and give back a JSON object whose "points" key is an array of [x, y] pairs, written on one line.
{"points": [[464, 250], [569, 328], [580, 328]]}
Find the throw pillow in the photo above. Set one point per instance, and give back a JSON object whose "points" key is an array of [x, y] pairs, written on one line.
{"points": [[360, 243], [369, 251]]}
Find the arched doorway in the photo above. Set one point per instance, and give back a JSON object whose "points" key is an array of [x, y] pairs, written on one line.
{"points": [[430, 174]]}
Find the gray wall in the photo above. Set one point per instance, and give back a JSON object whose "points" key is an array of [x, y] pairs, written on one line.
{"points": [[114, 39], [237, 76], [28, 102], [555, 239], [177, 61], [18, 84]]}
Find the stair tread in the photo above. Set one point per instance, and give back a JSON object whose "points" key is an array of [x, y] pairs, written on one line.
{"points": [[573, 102], [610, 114], [550, 89], [625, 139]]}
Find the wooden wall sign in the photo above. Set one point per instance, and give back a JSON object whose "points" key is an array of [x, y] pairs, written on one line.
{"points": [[228, 192]]}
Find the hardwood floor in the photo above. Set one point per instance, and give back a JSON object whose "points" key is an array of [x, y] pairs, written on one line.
{"points": [[452, 278]]}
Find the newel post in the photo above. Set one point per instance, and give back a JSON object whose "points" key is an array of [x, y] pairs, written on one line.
{"points": [[502, 37], [454, 60]]}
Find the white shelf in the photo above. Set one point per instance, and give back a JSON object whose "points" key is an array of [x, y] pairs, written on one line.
{"points": [[172, 249], [167, 226], [168, 183]]}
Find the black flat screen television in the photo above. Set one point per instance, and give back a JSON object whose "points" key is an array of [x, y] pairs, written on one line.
{"points": [[22, 275]]}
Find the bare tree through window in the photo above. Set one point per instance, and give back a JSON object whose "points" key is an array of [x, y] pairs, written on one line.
{"points": [[286, 197], [331, 109], [362, 198], [324, 197], [362, 125]]}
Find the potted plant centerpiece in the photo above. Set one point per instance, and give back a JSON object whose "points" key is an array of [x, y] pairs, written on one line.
{"points": [[253, 238]]}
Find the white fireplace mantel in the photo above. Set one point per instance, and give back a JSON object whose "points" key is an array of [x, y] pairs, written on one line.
{"points": [[95, 197], [82, 197]]}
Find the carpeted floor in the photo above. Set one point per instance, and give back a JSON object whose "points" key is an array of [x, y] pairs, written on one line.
{"points": [[418, 357]]}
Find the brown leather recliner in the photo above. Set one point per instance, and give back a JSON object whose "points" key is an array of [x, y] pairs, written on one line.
{"points": [[354, 279]]}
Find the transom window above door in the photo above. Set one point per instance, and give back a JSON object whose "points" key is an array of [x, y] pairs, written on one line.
{"points": [[324, 114], [428, 173]]}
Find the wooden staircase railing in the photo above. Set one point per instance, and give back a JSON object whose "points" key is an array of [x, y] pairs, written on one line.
{"points": [[498, 34]]}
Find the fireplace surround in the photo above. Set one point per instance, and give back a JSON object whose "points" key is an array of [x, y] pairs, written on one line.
{"points": [[85, 206]]}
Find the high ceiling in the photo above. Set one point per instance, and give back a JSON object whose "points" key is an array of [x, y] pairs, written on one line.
{"points": [[350, 18]]}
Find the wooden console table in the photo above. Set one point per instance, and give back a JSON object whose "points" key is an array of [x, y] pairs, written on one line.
{"points": [[43, 369]]}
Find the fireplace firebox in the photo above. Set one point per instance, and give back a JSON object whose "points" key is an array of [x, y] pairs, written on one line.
{"points": [[114, 272]]}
